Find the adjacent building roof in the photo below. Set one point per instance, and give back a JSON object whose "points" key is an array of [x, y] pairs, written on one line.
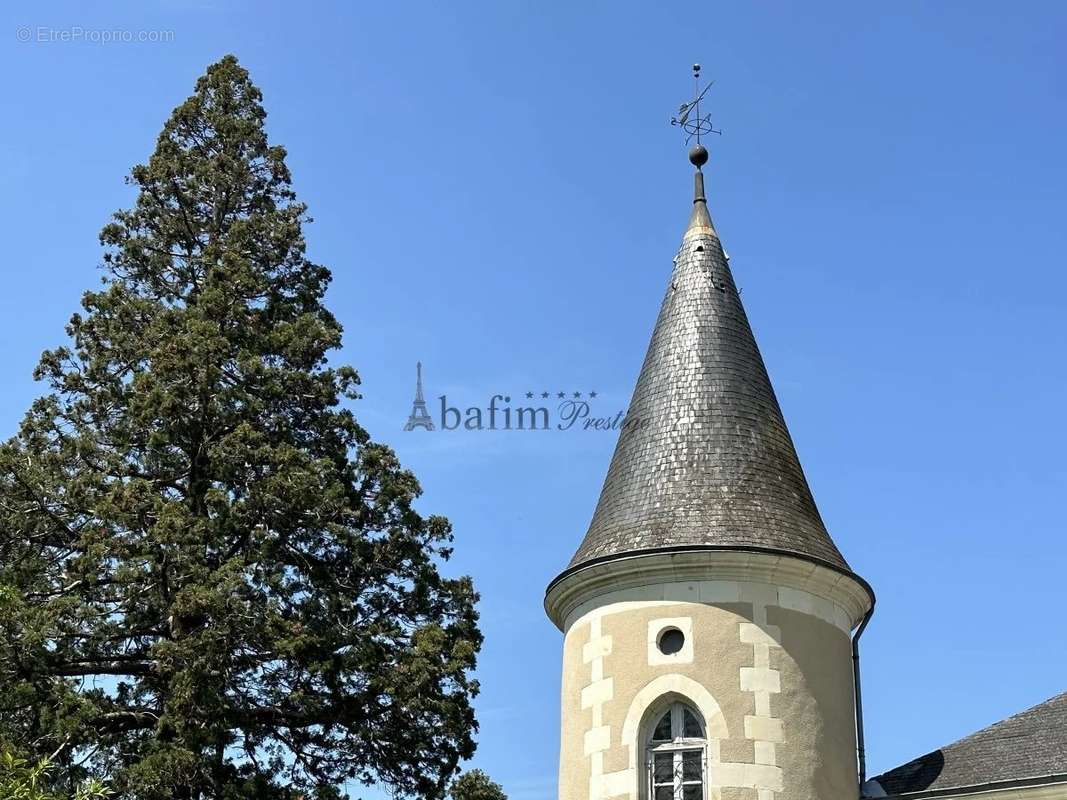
{"points": [[1030, 747], [705, 459]]}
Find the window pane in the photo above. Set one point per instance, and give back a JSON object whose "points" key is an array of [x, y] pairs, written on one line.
{"points": [[665, 793], [692, 727], [691, 791], [663, 729], [663, 768], [691, 765]]}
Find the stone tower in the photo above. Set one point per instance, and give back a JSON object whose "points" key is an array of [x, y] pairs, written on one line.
{"points": [[708, 616]]}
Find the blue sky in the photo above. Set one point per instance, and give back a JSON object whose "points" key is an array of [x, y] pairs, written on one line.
{"points": [[498, 193]]}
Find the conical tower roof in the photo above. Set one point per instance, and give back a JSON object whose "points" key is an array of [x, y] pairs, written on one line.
{"points": [[705, 459]]}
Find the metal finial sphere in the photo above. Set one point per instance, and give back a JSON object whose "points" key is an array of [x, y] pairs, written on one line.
{"points": [[696, 68], [698, 156]]}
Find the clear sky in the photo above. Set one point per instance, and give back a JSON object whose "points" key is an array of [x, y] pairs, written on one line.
{"points": [[498, 193]]}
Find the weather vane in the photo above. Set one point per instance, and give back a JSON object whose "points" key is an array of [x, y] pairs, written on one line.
{"points": [[689, 119]]}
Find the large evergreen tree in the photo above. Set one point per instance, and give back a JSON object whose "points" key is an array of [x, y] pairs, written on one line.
{"points": [[212, 582]]}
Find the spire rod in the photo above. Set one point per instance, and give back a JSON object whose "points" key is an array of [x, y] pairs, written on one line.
{"points": [[698, 95]]}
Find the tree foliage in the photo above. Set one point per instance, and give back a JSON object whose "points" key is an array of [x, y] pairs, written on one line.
{"points": [[21, 780], [476, 785], [213, 583]]}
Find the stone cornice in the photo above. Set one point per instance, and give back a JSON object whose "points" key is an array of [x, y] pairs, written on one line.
{"points": [[577, 586]]}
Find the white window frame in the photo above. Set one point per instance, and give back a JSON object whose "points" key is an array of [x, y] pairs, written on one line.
{"points": [[678, 745]]}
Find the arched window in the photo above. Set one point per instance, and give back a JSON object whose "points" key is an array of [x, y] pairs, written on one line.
{"points": [[677, 755]]}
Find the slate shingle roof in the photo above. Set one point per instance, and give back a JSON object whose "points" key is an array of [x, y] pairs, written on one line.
{"points": [[706, 458], [1032, 744]]}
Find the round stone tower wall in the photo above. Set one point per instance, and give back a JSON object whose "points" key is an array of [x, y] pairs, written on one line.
{"points": [[766, 661]]}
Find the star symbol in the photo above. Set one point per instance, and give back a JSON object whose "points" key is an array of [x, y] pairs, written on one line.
{"points": [[529, 395], [592, 394], [577, 394], [561, 395], [544, 395]]}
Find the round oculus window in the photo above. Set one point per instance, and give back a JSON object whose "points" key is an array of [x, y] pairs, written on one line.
{"points": [[671, 641]]}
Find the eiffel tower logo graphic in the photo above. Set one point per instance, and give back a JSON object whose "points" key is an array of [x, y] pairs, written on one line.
{"points": [[420, 417]]}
